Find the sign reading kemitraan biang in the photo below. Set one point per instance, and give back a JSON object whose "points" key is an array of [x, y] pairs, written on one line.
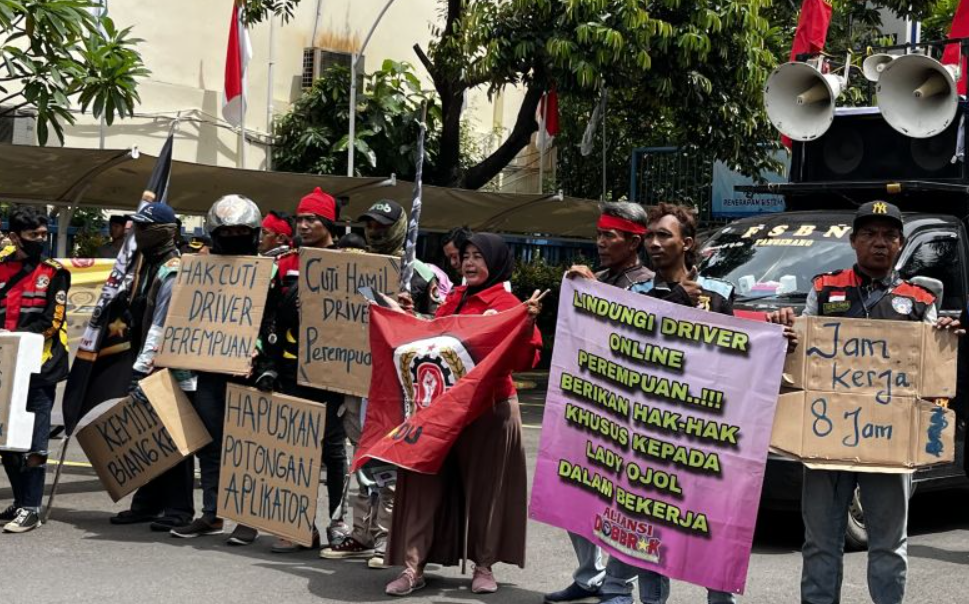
{"points": [[334, 338], [215, 314], [656, 431]]}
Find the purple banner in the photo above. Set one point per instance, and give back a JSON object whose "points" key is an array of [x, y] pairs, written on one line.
{"points": [[656, 430]]}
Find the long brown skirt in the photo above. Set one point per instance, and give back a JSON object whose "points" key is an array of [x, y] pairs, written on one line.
{"points": [[484, 481]]}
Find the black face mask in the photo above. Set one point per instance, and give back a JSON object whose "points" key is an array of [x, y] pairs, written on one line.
{"points": [[148, 240], [239, 245], [33, 249]]}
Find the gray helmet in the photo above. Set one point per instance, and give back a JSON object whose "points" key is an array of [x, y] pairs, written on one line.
{"points": [[233, 210]]}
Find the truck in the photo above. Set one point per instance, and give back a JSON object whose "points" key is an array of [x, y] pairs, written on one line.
{"points": [[771, 259]]}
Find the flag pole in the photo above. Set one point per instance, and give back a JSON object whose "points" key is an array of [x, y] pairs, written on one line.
{"points": [[413, 225], [269, 91], [542, 141], [57, 478]]}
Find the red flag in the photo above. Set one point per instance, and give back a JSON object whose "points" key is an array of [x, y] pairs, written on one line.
{"points": [[959, 29], [812, 28], [548, 113], [236, 65], [433, 378], [811, 33]]}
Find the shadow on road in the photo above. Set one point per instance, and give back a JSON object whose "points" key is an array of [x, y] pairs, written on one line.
{"points": [[343, 580]]}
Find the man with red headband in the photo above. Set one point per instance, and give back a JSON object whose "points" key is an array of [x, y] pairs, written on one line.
{"points": [[277, 234], [276, 368]]}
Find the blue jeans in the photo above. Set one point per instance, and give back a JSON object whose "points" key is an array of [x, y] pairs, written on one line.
{"points": [[593, 575], [27, 471], [825, 500], [616, 577]]}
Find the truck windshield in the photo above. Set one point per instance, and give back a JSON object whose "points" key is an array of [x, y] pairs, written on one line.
{"points": [[775, 260]]}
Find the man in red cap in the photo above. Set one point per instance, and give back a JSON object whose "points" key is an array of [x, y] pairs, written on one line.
{"points": [[277, 234], [276, 368]]}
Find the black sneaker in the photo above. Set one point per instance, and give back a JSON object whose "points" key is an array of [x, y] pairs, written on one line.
{"points": [[132, 517], [26, 520], [8, 514], [242, 535], [164, 524], [198, 528]]}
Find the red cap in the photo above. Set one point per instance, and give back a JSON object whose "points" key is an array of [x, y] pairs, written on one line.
{"points": [[319, 203], [275, 224]]}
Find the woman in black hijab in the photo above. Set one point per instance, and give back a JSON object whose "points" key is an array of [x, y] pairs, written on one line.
{"points": [[481, 488]]}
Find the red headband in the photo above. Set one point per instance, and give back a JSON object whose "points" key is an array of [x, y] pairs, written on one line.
{"points": [[276, 224], [319, 203], [607, 222]]}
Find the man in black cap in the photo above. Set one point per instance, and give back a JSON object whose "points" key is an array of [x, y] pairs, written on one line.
{"points": [[116, 230], [870, 289], [386, 232], [166, 501]]}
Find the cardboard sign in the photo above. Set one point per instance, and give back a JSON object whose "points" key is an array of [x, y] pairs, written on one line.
{"points": [[271, 452], [334, 341], [656, 431], [858, 399], [130, 443], [855, 432], [20, 356], [882, 358], [215, 314]]}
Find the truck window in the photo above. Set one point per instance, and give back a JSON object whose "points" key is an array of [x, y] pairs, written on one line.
{"points": [[939, 258]]}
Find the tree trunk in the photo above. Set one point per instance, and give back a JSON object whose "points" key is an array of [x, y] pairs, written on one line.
{"points": [[479, 175], [449, 155]]}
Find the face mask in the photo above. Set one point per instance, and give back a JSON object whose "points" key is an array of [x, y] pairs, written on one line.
{"points": [[149, 239], [239, 245], [33, 249]]}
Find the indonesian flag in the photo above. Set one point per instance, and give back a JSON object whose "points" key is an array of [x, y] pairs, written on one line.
{"points": [[812, 28], [236, 65], [433, 378], [548, 119], [811, 33], [959, 29]]}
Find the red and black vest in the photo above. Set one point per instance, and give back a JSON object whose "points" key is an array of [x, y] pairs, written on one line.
{"points": [[34, 299], [841, 291]]}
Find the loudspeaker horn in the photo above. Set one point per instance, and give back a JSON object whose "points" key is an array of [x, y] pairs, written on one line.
{"points": [[800, 100], [917, 95], [874, 65]]}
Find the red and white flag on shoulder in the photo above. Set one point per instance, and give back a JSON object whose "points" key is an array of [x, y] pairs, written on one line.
{"points": [[236, 65]]}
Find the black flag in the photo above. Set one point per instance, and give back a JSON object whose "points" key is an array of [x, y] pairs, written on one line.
{"points": [[102, 367]]}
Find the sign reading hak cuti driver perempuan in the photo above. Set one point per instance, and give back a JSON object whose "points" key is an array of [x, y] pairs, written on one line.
{"points": [[656, 429]]}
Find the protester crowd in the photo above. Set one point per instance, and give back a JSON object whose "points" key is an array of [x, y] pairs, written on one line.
{"points": [[475, 507]]}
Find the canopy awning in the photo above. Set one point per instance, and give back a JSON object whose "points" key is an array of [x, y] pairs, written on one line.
{"points": [[116, 179]]}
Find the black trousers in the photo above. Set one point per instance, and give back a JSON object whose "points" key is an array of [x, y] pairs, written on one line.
{"points": [[171, 493]]}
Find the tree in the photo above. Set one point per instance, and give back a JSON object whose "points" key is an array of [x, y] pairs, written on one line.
{"points": [[54, 53], [312, 137], [855, 25]]}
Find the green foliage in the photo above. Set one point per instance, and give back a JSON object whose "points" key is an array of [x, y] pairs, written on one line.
{"points": [[313, 136], [88, 238], [698, 66], [259, 10], [53, 53]]}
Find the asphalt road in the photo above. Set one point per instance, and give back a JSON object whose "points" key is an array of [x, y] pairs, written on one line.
{"points": [[80, 558]]}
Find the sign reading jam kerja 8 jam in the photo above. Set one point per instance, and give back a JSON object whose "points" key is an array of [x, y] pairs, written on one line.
{"points": [[656, 430]]}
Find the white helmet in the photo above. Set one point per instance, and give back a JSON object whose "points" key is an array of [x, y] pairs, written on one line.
{"points": [[233, 210], [229, 211]]}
